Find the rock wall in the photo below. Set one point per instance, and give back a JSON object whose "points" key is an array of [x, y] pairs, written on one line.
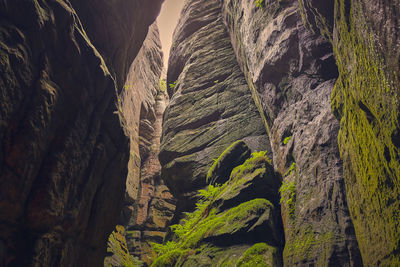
{"points": [[236, 222], [63, 152], [211, 105], [118, 28], [366, 100], [291, 72], [148, 205]]}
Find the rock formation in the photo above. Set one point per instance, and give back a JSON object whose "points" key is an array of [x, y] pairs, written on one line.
{"points": [[366, 100], [292, 71], [211, 105], [63, 151], [235, 223]]}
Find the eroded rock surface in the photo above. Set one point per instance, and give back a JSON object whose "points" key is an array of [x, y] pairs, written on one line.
{"points": [[236, 223], [291, 72], [117, 29], [366, 100], [211, 105], [63, 152]]}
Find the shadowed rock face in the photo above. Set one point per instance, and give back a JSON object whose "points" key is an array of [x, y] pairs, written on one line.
{"points": [[211, 105], [63, 152], [292, 72], [118, 28]]}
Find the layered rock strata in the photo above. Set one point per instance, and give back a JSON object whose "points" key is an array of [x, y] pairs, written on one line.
{"points": [[291, 72], [235, 223], [211, 105]]}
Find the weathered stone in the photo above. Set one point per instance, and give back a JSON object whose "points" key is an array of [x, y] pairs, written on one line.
{"points": [[63, 152], [61, 140], [233, 156], [117, 29], [138, 100], [228, 221], [291, 72], [211, 105], [366, 100]]}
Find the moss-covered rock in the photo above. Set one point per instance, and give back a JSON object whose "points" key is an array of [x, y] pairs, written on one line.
{"points": [[291, 72], [211, 105], [228, 219], [366, 100], [222, 167]]}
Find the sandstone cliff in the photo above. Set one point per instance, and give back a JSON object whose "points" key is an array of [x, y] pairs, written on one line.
{"points": [[210, 106], [63, 151], [292, 71], [366, 100]]}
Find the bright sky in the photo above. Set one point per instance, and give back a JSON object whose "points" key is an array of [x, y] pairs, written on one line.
{"points": [[169, 16]]}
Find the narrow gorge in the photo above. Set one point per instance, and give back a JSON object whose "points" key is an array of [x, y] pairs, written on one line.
{"points": [[271, 138]]}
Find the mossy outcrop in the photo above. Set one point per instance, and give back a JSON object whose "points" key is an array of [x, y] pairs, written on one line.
{"points": [[291, 72], [366, 100], [234, 224], [211, 105]]}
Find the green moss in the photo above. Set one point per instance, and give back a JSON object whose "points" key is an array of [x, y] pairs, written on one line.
{"points": [[288, 196], [365, 99], [117, 246], [208, 221], [258, 256], [172, 85], [287, 139], [306, 243]]}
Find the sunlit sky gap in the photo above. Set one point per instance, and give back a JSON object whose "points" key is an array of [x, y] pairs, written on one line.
{"points": [[167, 20]]}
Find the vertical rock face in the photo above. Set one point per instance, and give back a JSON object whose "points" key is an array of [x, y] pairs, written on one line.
{"points": [[63, 152], [148, 204], [366, 100], [211, 105], [138, 99], [291, 72]]}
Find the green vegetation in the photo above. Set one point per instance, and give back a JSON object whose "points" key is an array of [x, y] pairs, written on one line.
{"points": [[287, 139], [172, 85], [365, 99], [117, 246], [305, 243], [288, 196], [259, 3], [162, 85], [208, 221], [255, 256]]}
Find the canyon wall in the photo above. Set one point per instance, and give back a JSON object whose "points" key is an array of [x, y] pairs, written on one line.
{"points": [[63, 150], [291, 71], [366, 101], [211, 105]]}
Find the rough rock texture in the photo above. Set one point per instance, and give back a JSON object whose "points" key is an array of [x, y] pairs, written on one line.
{"points": [[118, 28], [211, 105], [237, 223], [63, 152], [291, 72], [62, 147], [366, 100], [155, 205], [138, 100], [148, 204]]}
